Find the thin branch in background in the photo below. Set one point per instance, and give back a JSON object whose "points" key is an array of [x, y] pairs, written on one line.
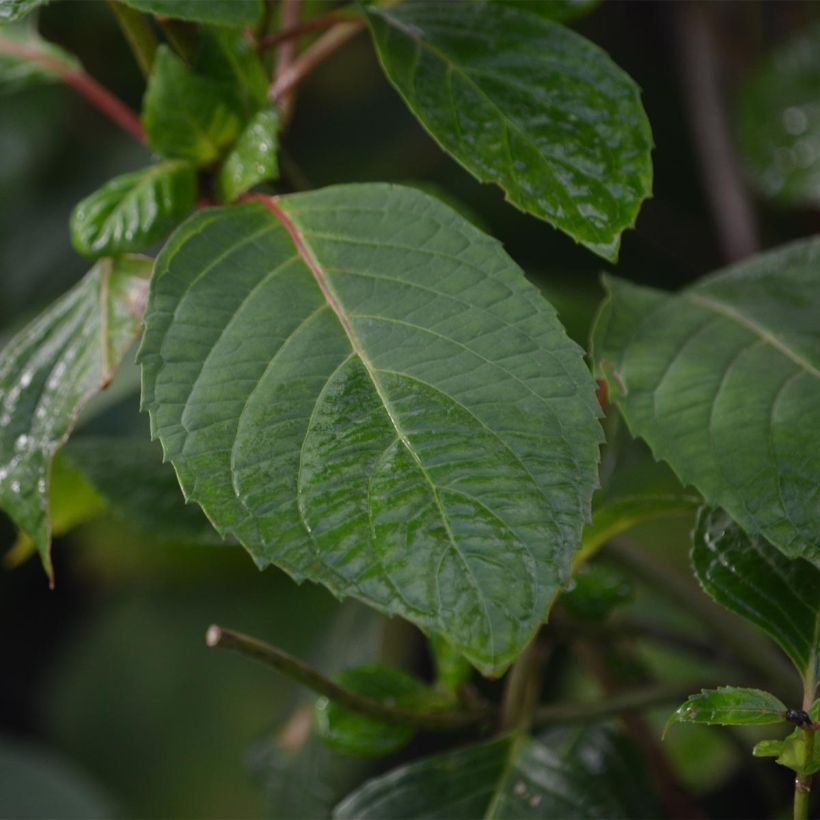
{"points": [[701, 75], [83, 84], [523, 686], [285, 55], [315, 24], [139, 34]]}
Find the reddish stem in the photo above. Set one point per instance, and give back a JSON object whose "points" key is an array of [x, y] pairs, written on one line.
{"points": [[316, 24], [84, 84]]}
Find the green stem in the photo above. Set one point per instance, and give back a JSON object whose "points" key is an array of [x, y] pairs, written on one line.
{"points": [[522, 687], [802, 783], [139, 34]]}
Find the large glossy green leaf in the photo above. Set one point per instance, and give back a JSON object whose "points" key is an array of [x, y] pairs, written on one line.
{"points": [[188, 115], [220, 12], [50, 370], [779, 122], [573, 774], [364, 389], [722, 380], [753, 579], [525, 103], [253, 158], [132, 211], [730, 706], [18, 45]]}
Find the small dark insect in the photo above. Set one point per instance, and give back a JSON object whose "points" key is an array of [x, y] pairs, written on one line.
{"points": [[799, 717]]}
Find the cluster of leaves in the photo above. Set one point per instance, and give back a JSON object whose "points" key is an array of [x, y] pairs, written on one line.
{"points": [[362, 389]]}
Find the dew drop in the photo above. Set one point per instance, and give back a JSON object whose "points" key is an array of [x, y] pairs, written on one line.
{"points": [[22, 442], [25, 379]]}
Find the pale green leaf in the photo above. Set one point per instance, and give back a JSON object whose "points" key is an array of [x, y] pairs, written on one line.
{"points": [[132, 211], [792, 751], [253, 158], [722, 380], [730, 706], [528, 104], [753, 579], [188, 115], [219, 12], [364, 389], [50, 370]]}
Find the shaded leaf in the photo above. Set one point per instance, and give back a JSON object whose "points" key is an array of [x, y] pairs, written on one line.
{"points": [[510, 777], [350, 732], [11, 10], [723, 381], [779, 122], [220, 12], [19, 44], [730, 706], [50, 370], [253, 158], [132, 211], [562, 11], [365, 391], [528, 104], [188, 115], [597, 592], [753, 579]]}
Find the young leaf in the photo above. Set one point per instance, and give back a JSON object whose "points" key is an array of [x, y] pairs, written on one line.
{"points": [[363, 389], [753, 579], [580, 775], [730, 706], [791, 752], [49, 371], [356, 734], [219, 12], [779, 122], [723, 381], [132, 211], [18, 44], [253, 158], [187, 115], [12, 10], [525, 103]]}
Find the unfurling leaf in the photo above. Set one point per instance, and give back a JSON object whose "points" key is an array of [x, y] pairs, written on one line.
{"points": [[253, 158]]}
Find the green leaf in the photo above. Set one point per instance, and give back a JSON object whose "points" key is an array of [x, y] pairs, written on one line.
{"points": [[130, 476], [722, 380], [753, 579], [791, 752], [562, 11], [364, 389], [356, 734], [779, 122], [12, 10], [510, 777], [219, 12], [132, 211], [528, 104], [19, 44], [49, 371], [597, 592], [253, 158], [188, 115], [730, 706]]}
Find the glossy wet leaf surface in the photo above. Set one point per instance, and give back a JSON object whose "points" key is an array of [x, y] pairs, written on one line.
{"points": [[132, 211], [220, 12], [528, 104], [48, 372], [566, 774], [722, 380], [365, 391], [753, 579], [731, 706], [253, 158]]}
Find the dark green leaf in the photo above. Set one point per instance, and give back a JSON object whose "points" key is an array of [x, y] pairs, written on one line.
{"points": [[527, 104], [356, 734], [562, 11], [364, 390], [219, 12], [11, 10], [730, 706], [723, 381], [49, 371], [18, 44], [597, 592], [132, 211], [188, 115], [779, 122], [753, 579], [130, 476], [253, 158], [509, 777]]}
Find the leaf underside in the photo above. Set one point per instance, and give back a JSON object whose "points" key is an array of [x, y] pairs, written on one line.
{"points": [[47, 374], [528, 104], [723, 382], [365, 391]]}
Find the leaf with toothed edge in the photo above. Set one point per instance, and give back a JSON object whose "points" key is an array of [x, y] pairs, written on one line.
{"points": [[364, 389], [50, 370], [730, 706]]}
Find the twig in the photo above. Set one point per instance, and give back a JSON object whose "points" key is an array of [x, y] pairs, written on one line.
{"points": [[523, 686], [700, 72], [323, 21], [84, 84], [138, 33], [283, 85], [286, 54], [435, 721]]}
